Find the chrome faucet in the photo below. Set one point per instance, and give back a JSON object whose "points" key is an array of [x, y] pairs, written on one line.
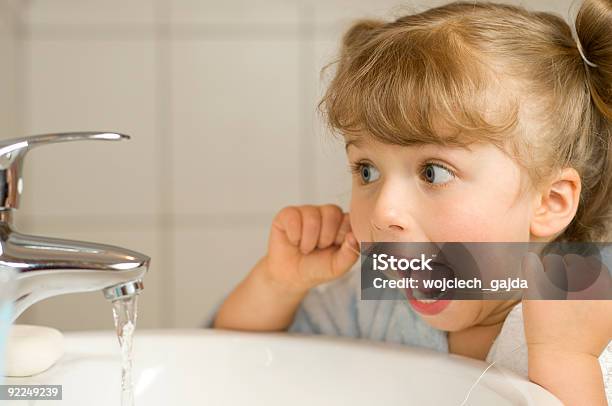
{"points": [[49, 267]]}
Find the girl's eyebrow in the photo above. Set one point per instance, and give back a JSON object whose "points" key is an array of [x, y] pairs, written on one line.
{"points": [[352, 141]]}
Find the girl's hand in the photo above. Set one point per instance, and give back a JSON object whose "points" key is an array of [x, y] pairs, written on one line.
{"points": [[566, 337], [309, 245]]}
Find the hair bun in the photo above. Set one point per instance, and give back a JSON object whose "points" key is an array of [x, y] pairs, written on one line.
{"points": [[594, 40]]}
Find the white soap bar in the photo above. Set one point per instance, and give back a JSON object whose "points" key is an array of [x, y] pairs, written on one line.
{"points": [[31, 350]]}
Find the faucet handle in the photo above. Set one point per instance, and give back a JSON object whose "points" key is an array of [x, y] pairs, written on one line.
{"points": [[13, 151]]}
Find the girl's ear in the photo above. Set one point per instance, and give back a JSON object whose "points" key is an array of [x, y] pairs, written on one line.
{"points": [[557, 204]]}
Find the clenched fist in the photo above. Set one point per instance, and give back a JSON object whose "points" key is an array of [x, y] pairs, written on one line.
{"points": [[310, 245]]}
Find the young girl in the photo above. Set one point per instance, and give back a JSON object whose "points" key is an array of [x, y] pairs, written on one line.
{"points": [[467, 122]]}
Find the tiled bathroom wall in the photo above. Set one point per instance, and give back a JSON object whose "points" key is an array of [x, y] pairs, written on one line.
{"points": [[8, 68], [220, 100]]}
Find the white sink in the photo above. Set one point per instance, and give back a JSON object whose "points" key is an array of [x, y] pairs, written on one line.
{"points": [[212, 367]]}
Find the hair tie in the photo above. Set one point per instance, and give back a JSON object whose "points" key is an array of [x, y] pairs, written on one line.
{"points": [[584, 58]]}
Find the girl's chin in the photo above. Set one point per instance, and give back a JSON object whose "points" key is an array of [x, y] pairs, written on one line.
{"points": [[446, 315]]}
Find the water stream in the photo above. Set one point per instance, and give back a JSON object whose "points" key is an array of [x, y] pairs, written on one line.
{"points": [[124, 313]]}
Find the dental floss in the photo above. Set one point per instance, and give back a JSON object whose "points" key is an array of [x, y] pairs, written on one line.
{"points": [[467, 397], [354, 250]]}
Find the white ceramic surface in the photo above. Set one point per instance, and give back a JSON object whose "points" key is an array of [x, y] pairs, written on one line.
{"points": [[212, 367]]}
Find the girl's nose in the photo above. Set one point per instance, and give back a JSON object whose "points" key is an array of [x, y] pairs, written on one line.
{"points": [[387, 222], [391, 218]]}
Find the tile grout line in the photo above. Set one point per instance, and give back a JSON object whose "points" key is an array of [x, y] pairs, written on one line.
{"points": [[21, 101], [184, 31], [144, 221], [20, 61], [165, 166], [305, 63]]}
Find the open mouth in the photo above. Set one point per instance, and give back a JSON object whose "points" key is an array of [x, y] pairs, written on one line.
{"points": [[431, 296], [431, 282]]}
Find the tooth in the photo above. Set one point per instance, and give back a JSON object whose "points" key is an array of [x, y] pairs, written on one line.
{"points": [[417, 294], [427, 301]]}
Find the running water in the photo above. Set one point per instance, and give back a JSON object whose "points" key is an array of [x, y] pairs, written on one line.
{"points": [[124, 313]]}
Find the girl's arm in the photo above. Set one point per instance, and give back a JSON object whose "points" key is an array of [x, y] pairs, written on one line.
{"points": [[257, 304], [566, 337], [575, 378]]}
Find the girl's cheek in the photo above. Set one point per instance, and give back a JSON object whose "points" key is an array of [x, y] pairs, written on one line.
{"points": [[359, 218], [484, 222]]}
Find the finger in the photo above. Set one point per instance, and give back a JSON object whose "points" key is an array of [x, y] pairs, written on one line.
{"points": [[289, 223], [535, 272], [345, 227], [331, 220], [580, 273], [555, 269], [311, 227], [589, 278], [603, 284], [344, 258]]}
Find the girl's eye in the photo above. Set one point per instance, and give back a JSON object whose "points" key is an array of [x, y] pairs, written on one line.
{"points": [[437, 174], [367, 172]]}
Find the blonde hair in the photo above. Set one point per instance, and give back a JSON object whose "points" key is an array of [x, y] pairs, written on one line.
{"points": [[484, 72]]}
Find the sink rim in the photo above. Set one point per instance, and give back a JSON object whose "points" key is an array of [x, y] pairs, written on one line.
{"points": [[497, 380]]}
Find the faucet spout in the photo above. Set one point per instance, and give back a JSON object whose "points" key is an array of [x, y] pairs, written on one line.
{"points": [[123, 290], [51, 266]]}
